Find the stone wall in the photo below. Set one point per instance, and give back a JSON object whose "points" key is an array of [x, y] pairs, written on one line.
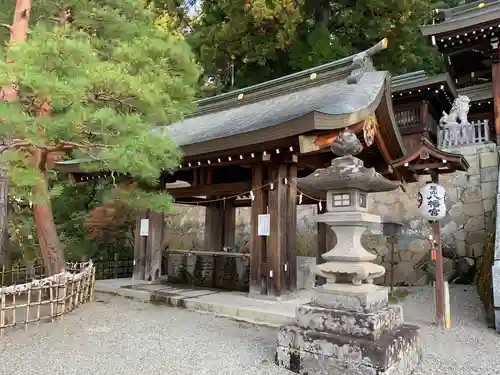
{"points": [[471, 198]]}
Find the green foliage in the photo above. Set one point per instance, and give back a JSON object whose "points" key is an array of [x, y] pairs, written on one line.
{"points": [[173, 15], [22, 235], [72, 210], [276, 37], [252, 40], [135, 199], [108, 75], [108, 72]]}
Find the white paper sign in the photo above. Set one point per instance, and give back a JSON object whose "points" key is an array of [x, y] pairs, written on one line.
{"points": [[144, 231], [264, 226]]}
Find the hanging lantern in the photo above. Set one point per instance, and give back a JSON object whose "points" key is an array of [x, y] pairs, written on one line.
{"points": [[431, 202]]}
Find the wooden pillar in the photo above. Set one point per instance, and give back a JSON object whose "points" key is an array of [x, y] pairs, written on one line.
{"points": [[140, 249], [277, 241], [258, 251], [154, 246], [229, 212], [291, 230], [148, 249], [214, 226], [495, 72]]}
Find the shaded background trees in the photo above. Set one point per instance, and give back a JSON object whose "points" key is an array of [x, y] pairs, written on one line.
{"points": [[240, 43]]}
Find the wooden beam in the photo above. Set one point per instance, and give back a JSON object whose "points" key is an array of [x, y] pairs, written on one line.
{"points": [[282, 144], [202, 252], [436, 165], [385, 152], [258, 255], [243, 160], [325, 140], [312, 143], [232, 188]]}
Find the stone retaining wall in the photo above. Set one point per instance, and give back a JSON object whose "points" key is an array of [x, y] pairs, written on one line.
{"points": [[471, 198]]}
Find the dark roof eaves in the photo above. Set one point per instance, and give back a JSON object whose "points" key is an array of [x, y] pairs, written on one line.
{"points": [[478, 92], [475, 17], [424, 80]]}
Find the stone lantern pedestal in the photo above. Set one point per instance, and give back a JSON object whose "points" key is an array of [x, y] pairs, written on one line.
{"points": [[348, 328]]}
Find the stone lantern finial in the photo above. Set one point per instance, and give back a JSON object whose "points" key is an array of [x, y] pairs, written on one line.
{"points": [[347, 143]]}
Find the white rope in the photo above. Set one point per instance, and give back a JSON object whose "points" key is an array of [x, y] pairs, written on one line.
{"points": [[85, 270]]}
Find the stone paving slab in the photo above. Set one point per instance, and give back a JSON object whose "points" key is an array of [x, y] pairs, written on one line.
{"points": [[235, 305]]}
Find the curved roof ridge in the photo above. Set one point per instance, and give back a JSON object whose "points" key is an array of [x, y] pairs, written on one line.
{"points": [[292, 81]]}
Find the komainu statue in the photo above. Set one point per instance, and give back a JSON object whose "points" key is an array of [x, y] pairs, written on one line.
{"points": [[458, 113], [455, 129]]}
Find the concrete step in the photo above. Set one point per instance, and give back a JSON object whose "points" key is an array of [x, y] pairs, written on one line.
{"points": [[234, 305]]}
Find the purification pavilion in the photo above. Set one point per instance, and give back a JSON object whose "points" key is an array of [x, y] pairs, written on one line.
{"points": [[261, 138], [247, 147]]}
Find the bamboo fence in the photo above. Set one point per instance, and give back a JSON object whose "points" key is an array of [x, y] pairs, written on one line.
{"points": [[46, 299]]}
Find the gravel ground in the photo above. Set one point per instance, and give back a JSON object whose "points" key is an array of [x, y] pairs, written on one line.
{"points": [[118, 336], [469, 347]]}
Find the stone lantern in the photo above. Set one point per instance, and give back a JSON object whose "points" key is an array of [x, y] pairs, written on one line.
{"points": [[348, 327]]}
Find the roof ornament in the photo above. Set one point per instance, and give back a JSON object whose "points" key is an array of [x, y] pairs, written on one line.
{"points": [[370, 128], [362, 62]]}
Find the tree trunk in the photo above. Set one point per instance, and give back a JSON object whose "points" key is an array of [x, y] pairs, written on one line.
{"points": [[322, 14], [18, 34], [48, 240]]}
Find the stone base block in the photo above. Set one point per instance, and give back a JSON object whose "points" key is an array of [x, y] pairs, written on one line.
{"points": [[312, 352], [365, 325], [496, 317], [364, 298]]}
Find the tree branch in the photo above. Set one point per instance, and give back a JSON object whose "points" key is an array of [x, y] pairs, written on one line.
{"points": [[68, 145], [15, 145], [106, 98], [8, 27]]}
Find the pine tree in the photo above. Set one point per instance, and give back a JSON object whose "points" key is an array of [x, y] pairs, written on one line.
{"points": [[92, 79]]}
